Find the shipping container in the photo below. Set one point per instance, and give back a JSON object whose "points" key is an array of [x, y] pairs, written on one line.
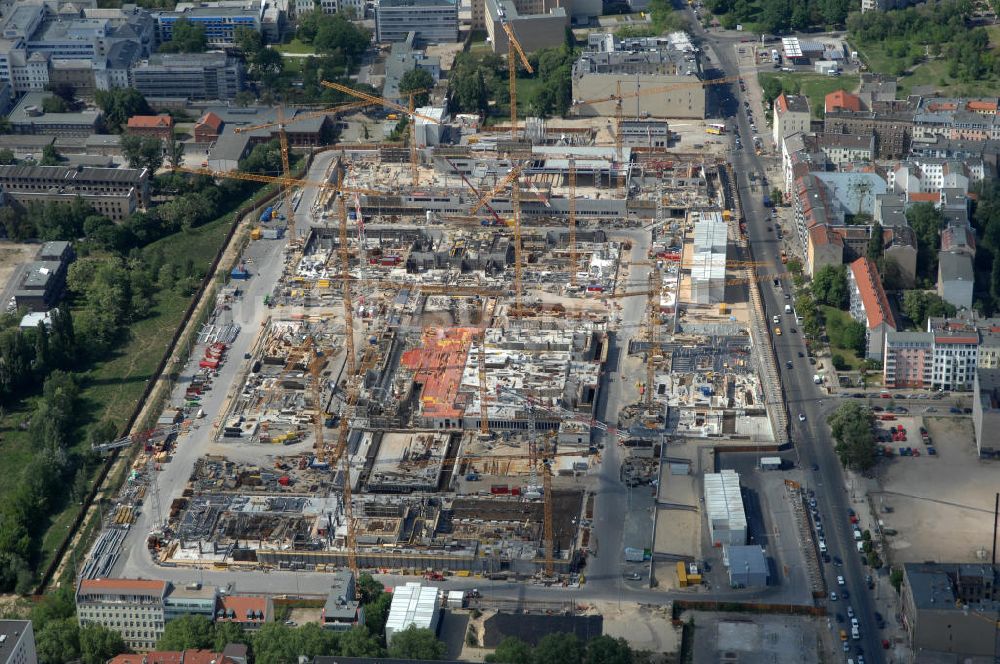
{"points": [[267, 214]]}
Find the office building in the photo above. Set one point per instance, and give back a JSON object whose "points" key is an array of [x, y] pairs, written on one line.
{"points": [[21, 182], [404, 57], [986, 410], [637, 64], [17, 642], [950, 609], [189, 76], [727, 520], [342, 611], [29, 118], [869, 305], [132, 607], [221, 20], [431, 21], [413, 605], [190, 600], [534, 31], [645, 133]]}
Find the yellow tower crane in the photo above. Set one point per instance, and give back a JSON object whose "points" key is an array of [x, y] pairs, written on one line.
{"points": [[408, 111], [515, 46]]}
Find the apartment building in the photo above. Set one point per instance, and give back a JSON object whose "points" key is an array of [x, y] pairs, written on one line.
{"points": [[20, 179], [790, 116], [17, 642], [637, 64], [946, 356], [189, 76], [890, 122], [869, 305], [433, 21], [132, 607], [986, 410]]}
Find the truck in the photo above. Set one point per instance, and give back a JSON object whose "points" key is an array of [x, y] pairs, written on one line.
{"points": [[239, 273], [633, 555], [272, 233]]}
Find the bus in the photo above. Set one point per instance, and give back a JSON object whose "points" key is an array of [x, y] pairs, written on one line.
{"points": [[716, 129]]}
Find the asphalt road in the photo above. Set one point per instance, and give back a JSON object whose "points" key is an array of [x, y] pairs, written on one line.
{"points": [[811, 437]]}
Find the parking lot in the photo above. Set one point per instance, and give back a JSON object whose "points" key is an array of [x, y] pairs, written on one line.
{"points": [[727, 637], [939, 506]]}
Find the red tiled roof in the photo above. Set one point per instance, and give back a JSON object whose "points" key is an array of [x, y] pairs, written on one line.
{"points": [[925, 197], [842, 99], [437, 365], [171, 657], [872, 294], [150, 122], [240, 604], [979, 105], [821, 234], [138, 586], [950, 339], [781, 103], [212, 120]]}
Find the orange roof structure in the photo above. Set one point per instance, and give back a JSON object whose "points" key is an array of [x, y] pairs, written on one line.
{"points": [[781, 102], [244, 608], [823, 234], [150, 122], [438, 366], [842, 99], [123, 586], [925, 197], [982, 105], [190, 656], [872, 294], [212, 120]]}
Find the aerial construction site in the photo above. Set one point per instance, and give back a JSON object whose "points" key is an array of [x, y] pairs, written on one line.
{"points": [[452, 335]]}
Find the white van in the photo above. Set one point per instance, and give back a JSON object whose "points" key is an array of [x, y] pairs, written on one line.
{"points": [[788, 308], [822, 546], [855, 633]]}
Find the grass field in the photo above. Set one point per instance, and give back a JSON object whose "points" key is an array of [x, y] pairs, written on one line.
{"points": [[832, 316], [933, 72], [296, 46], [814, 86], [112, 388]]}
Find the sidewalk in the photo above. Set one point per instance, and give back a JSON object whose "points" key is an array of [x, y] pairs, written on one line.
{"points": [[886, 599]]}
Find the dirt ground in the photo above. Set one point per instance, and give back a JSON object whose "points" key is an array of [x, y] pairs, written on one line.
{"points": [[13, 254], [942, 506]]}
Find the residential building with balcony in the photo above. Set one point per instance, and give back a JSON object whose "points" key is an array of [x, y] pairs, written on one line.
{"points": [[869, 305]]}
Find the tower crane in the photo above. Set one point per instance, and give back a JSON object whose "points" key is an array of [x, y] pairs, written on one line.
{"points": [[506, 181], [514, 45], [654, 295], [408, 111], [572, 221], [271, 179]]}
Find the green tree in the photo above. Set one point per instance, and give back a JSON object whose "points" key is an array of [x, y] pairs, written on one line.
{"points": [[370, 588], [227, 632], [875, 243], [852, 426], [58, 641], [54, 104], [511, 650], [896, 578], [558, 648], [7, 157], [608, 650], [416, 79], [414, 643], [142, 151], [119, 104], [376, 613], [98, 644], [926, 222], [920, 305], [186, 37], [314, 641], [264, 158], [358, 642], [187, 632], [174, 150], [50, 156], [794, 266], [829, 286], [274, 643]]}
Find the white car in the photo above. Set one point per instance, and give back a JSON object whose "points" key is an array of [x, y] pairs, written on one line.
{"points": [[802, 417], [833, 597], [840, 580]]}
